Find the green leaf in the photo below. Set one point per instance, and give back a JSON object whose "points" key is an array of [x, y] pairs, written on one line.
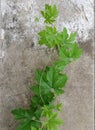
{"points": [[61, 64], [50, 13], [28, 124], [38, 75], [55, 106], [35, 123], [33, 128], [34, 101], [49, 81], [38, 113], [42, 87], [41, 129], [48, 37], [76, 51], [70, 52], [49, 97], [72, 37], [35, 89], [22, 113], [56, 80], [62, 36], [25, 125], [51, 118], [59, 106], [67, 53], [61, 81]]}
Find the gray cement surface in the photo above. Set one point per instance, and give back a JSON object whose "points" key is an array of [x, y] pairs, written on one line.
{"points": [[20, 56]]}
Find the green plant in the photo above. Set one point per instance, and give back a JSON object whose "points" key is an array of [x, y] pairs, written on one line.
{"points": [[50, 82]]}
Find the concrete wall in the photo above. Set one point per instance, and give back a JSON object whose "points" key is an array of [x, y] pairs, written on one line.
{"points": [[20, 56]]}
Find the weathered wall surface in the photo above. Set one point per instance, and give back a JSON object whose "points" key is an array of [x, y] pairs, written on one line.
{"points": [[20, 55]]}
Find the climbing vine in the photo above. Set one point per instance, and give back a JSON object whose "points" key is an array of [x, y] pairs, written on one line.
{"points": [[50, 82]]}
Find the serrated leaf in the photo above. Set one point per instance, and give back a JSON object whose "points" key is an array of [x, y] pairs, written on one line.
{"points": [[50, 80], [50, 13], [22, 113], [60, 65], [76, 51], [26, 125], [42, 86], [52, 120], [48, 36], [72, 37], [67, 53], [56, 80], [62, 79], [63, 36]]}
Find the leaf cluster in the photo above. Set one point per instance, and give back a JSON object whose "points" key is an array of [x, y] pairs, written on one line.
{"points": [[68, 48], [51, 119], [50, 82], [50, 13]]}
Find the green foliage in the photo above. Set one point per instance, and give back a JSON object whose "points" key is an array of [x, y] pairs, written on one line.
{"points": [[27, 118], [50, 82], [22, 114], [51, 119], [48, 36], [50, 13], [52, 38], [25, 125], [67, 53]]}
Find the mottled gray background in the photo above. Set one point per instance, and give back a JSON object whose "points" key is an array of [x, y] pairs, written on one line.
{"points": [[20, 56]]}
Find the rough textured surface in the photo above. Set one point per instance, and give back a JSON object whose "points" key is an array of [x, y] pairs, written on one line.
{"points": [[20, 55]]}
